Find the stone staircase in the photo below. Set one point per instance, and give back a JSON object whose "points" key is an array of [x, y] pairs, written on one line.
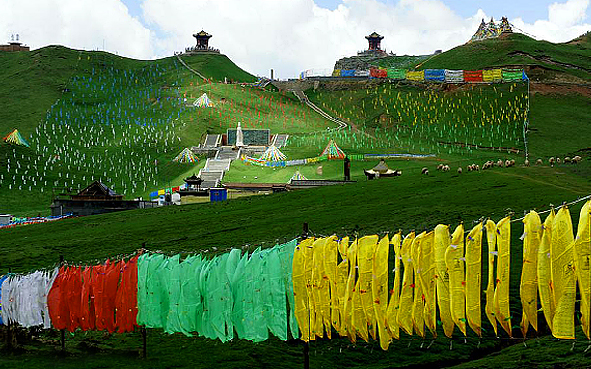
{"points": [[212, 141], [280, 140], [214, 170]]}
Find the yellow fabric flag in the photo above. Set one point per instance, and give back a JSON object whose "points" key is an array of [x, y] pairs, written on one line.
{"points": [[545, 285], [321, 289], [404, 317], [300, 290], [426, 274], [394, 303], [582, 249], [501, 297], [528, 291], [310, 286], [367, 246], [454, 261], [441, 243], [359, 320], [379, 290], [350, 291], [563, 275], [418, 307], [330, 269], [342, 276], [491, 241], [474, 278]]}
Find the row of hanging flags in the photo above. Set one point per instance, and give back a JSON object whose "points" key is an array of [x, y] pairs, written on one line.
{"points": [[438, 75], [331, 152], [320, 286], [15, 222]]}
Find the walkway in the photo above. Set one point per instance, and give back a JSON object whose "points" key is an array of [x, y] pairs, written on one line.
{"points": [[303, 98], [214, 170]]}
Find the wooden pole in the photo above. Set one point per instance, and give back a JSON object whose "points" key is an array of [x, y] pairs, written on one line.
{"points": [[145, 344], [63, 331], [9, 327], [143, 329], [305, 232]]}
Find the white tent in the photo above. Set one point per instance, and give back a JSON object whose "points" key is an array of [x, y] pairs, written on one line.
{"points": [[203, 102], [273, 154]]}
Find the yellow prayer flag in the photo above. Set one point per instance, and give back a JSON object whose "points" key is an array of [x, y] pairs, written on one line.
{"points": [[501, 296], [545, 285], [394, 303], [367, 246], [474, 278], [330, 269], [418, 307], [342, 276], [426, 274], [563, 275], [321, 289], [454, 261], [299, 279], [350, 291], [582, 249], [404, 317], [441, 243], [528, 291], [379, 290]]}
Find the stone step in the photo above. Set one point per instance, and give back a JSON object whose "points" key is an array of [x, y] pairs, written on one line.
{"points": [[214, 165], [211, 140]]}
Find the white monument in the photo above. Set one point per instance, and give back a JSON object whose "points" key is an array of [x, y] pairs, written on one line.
{"points": [[239, 136]]}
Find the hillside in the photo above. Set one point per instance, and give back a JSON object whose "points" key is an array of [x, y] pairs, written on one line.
{"points": [[543, 60], [121, 120]]}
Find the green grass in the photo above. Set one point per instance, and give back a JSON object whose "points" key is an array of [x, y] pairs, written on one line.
{"points": [[410, 202], [544, 59], [122, 121]]}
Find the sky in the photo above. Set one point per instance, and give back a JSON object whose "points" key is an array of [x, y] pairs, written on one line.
{"points": [[289, 36]]}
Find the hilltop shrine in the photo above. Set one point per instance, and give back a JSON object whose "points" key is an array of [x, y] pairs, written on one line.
{"points": [[202, 44], [14, 45]]}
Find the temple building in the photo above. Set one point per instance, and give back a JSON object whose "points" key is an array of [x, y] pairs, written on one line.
{"points": [[97, 198], [14, 45], [492, 30], [374, 41], [202, 43]]}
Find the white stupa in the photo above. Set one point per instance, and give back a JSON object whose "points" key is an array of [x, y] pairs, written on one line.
{"points": [[239, 136]]}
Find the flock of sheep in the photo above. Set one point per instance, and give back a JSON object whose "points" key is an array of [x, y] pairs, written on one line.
{"points": [[503, 164]]}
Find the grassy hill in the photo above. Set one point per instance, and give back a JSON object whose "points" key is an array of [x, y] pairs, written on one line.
{"points": [[80, 132], [101, 116], [544, 60]]}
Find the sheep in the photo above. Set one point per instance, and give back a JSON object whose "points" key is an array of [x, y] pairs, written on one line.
{"points": [[445, 168], [500, 163], [425, 171], [567, 160], [397, 173], [486, 165], [551, 161], [557, 160], [469, 168], [539, 162], [507, 163], [577, 159], [526, 163], [440, 167], [477, 168], [460, 170]]}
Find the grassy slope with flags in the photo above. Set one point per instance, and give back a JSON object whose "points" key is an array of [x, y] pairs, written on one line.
{"points": [[362, 208], [121, 120]]}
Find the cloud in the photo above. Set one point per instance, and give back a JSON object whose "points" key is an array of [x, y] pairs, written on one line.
{"points": [[565, 22], [80, 24], [293, 35], [287, 35]]}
